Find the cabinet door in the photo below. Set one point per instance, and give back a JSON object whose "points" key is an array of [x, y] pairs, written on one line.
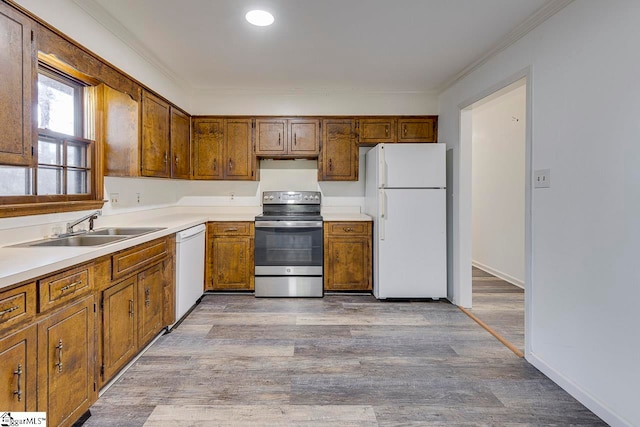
{"points": [[232, 263], [304, 136], [271, 137], [17, 89], [339, 151], [118, 327], [120, 130], [348, 264], [207, 148], [238, 148], [180, 155], [373, 131], [18, 371], [150, 295], [66, 368], [418, 130], [155, 136]]}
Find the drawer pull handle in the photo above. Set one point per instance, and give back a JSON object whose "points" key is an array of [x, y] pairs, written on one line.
{"points": [[295, 139], [72, 285], [278, 138], [131, 312], [348, 229], [147, 299], [231, 229], [59, 347], [215, 165], [404, 130], [9, 310], [386, 130], [18, 392]]}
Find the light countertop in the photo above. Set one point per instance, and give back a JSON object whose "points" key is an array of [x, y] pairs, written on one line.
{"points": [[25, 263]]}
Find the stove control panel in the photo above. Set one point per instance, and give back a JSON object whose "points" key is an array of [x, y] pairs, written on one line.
{"points": [[291, 197]]}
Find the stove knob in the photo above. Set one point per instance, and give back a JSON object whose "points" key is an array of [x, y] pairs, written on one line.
{"points": [[266, 197], [270, 197], [306, 197], [316, 197]]}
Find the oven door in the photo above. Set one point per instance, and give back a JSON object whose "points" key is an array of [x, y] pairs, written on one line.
{"points": [[288, 248]]}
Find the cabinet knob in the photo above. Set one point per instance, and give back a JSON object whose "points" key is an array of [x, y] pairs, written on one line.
{"points": [[386, 130], [177, 159], [230, 164], [330, 165], [215, 165], [404, 130]]}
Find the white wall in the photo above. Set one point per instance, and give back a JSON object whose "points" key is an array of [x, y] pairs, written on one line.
{"points": [[498, 172], [68, 17], [584, 289], [310, 102]]}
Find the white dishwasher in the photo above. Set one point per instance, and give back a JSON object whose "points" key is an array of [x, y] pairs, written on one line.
{"points": [[189, 268]]}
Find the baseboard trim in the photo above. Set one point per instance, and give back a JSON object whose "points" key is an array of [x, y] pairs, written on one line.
{"points": [[581, 395], [499, 274]]}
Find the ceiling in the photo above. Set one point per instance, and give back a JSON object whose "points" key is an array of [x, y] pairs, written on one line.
{"points": [[329, 45]]}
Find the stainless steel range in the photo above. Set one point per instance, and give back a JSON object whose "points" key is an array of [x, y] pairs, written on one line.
{"points": [[288, 245]]}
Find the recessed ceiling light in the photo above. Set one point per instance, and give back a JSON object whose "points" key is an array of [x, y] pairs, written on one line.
{"points": [[261, 18]]}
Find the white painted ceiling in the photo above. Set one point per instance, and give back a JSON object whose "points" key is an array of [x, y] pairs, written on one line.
{"points": [[333, 45]]}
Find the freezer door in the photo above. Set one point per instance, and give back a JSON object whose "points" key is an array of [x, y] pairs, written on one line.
{"points": [[412, 254], [413, 166]]}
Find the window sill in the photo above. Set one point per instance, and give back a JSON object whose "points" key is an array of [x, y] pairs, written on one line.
{"points": [[7, 211]]}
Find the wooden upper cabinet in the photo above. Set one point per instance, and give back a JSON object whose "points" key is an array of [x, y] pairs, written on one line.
{"points": [[304, 136], [180, 145], [279, 137], [17, 87], [418, 129], [376, 130], [155, 136], [271, 137], [239, 157], [339, 153], [206, 149], [119, 130]]}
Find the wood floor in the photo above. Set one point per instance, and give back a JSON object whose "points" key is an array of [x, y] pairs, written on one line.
{"points": [[337, 361], [500, 305]]}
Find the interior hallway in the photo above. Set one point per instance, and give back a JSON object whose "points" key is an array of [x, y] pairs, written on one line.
{"points": [[343, 360], [500, 305]]}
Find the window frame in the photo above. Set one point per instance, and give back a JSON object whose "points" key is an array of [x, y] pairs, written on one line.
{"points": [[32, 204]]}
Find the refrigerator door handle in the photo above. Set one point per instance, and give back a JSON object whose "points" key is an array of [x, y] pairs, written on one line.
{"points": [[383, 168], [383, 214]]}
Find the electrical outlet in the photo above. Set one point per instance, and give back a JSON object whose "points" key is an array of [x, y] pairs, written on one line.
{"points": [[138, 197], [542, 178], [114, 198]]}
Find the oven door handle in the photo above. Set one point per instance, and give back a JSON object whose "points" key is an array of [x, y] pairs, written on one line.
{"points": [[288, 224]]}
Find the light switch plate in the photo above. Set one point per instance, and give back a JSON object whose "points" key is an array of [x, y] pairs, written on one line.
{"points": [[542, 178]]}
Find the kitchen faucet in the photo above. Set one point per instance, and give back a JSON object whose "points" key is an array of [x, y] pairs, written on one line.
{"points": [[91, 217]]}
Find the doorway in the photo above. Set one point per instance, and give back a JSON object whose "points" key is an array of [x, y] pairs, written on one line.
{"points": [[495, 128]]}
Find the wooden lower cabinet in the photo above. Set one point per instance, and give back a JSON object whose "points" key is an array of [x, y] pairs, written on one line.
{"points": [[150, 295], [119, 327], [18, 371], [66, 363], [230, 251], [347, 256], [133, 313]]}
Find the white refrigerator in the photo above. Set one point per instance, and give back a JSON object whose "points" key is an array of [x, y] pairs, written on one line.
{"points": [[406, 196]]}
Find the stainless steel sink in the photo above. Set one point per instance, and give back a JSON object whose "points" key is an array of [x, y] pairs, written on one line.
{"points": [[99, 237], [80, 240], [124, 231]]}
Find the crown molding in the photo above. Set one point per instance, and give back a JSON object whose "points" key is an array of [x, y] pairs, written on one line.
{"points": [[111, 24], [546, 11], [294, 91]]}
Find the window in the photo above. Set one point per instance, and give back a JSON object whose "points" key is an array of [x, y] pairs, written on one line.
{"points": [[65, 149]]}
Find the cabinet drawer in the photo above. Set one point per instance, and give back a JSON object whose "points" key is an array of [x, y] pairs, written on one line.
{"points": [[134, 259], [61, 287], [230, 228], [348, 228], [17, 304]]}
